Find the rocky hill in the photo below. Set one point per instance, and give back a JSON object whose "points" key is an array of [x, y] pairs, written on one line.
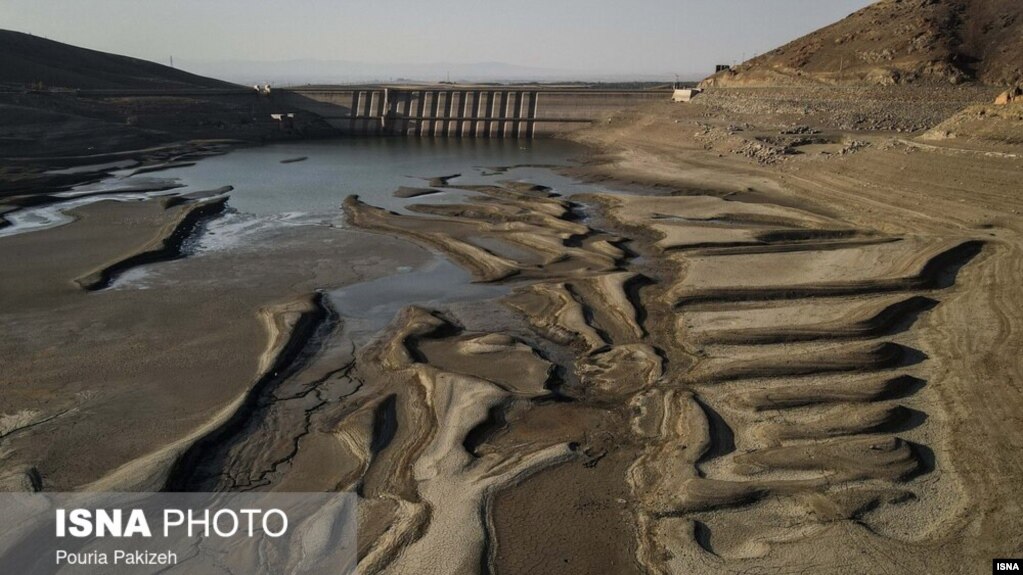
{"points": [[899, 42], [30, 61], [49, 106]]}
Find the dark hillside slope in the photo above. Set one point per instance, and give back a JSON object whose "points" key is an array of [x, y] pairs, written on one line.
{"points": [[28, 60], [61, 100]]}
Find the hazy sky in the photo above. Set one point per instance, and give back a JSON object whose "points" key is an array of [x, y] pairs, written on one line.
{"points": [[613, 36]]}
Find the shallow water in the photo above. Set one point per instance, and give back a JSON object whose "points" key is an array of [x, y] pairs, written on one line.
{"points": [[269, 195], [94, 167], [370, 305], [372, 168], [268, 192]]}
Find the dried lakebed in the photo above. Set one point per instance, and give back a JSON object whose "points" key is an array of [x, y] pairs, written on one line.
{"points": [[579, 379]]}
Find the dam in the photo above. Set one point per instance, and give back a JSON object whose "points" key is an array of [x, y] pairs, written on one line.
{"points": [[461, 111]]}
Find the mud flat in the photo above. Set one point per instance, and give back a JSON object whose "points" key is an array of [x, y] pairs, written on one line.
{"points": [[812, 305], [784, 383], [734, 371], [106, 388], [753, 360]]}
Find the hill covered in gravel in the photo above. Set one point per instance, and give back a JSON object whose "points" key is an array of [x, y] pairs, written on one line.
{"points": [[899, 42]]}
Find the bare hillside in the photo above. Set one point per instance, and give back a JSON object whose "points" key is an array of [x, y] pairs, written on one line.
{"points": [[899, 42], [30, 60], [149, 104]]}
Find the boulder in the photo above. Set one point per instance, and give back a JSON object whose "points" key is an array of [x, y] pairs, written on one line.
{"points": [[1014, 94]]}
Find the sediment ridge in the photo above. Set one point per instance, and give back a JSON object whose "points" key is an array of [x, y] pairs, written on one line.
{"points": [[167, 245], [289, 326]]}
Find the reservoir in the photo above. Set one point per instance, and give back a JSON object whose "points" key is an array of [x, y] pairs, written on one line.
{"points": [[306, 181]]}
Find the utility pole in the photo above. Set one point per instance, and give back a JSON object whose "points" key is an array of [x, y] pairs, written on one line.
{"points": [[172, 61]]}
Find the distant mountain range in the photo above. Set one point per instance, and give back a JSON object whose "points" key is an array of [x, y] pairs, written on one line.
{"points": [[309, 71]]}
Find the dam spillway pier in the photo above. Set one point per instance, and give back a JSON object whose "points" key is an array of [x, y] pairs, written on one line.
{"points": [[462, 111]]}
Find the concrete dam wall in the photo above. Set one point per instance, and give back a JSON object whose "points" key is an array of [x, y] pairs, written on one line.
{"points": [[480, 112]]}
